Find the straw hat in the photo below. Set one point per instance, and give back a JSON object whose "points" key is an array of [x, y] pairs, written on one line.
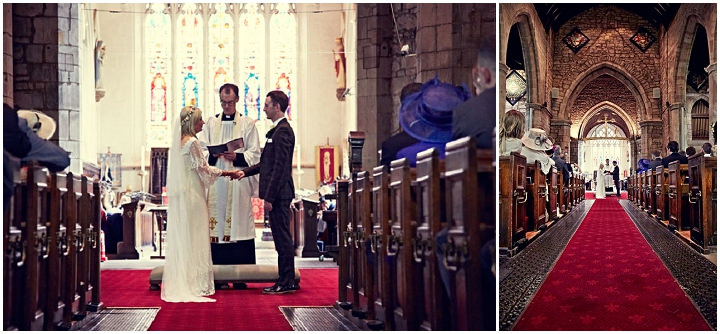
{"points": [[537, 139], [41, 124]]}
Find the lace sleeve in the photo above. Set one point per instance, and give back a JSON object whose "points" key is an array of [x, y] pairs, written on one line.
{"points": [[208, 174]]}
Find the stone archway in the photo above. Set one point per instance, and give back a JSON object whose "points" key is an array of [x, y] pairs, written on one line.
{"points": [[617, 148], [534, 75]]}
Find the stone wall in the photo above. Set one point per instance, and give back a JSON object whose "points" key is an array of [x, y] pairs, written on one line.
{"points": [[7, 55], [609, 30], [443, 40], [604, 88], [46, 74]]}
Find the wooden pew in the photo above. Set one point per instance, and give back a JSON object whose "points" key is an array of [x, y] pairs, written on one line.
{"points": [[643, 191], [703, 201], [630, 188], [513, 197], [14, 264], [95, 304], [33, 233], [343, 208], [57, 246], [71, 298], [678, 196], [471, 224], [364, 289], [562, 195], [553, 193], [570, 198], [405, 272], [378, 239], [432, 313], [661, 193], [537, 189], [651, 205]]}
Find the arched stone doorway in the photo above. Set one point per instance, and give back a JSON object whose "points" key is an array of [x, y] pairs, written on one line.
{"points": [[606, 132]]}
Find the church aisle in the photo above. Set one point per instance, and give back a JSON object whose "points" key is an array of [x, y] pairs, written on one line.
{"points": [[608, 278], [235, 310]]}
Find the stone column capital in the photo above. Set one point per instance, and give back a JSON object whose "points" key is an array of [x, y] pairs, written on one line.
{"points": [[560, 122]]}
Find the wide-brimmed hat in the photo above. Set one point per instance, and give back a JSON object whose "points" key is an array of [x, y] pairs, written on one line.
{"points": [[537, 139], [427, 115], [41, 124]]}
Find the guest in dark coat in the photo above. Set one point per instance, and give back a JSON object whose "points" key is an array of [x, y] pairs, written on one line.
{"points": [[476, 117], [673, 155], [656, 160]]}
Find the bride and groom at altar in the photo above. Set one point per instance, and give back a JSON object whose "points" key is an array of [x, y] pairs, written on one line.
{"points": [[607, 179]]}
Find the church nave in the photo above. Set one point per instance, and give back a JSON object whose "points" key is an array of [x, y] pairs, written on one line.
{"points": [[600, 269]]}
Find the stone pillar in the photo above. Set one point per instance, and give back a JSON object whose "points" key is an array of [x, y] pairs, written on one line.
{"points": [[7, 54], [560, 133], [674, 121], [46, 74], [502, 73], [652, 138], [540, 117], [374, 76], [712, 92]]}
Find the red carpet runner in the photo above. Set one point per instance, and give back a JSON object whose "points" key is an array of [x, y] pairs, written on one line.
{"points": [[608, 278], [234, 310]]}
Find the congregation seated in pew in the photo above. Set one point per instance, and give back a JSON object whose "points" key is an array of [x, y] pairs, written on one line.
{"points": [[397, 276]]}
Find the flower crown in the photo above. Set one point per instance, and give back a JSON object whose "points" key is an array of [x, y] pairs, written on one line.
{"points": [[187, 117]]}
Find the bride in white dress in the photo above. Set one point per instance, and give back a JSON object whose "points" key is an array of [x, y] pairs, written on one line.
{"points": [[600, 187], [188, 274]]}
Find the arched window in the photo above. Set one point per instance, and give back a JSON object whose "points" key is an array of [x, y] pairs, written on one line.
{"points": [[700, 120], [157, 46], [193, 49], [606, 130]]}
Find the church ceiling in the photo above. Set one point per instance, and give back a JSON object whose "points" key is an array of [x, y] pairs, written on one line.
{"points": [[554, 15]]}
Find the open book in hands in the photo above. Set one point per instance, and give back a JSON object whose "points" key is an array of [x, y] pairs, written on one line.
{"points": [[230, 146]]}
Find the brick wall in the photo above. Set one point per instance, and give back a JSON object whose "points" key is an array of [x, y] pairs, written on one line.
{"points": [[604, 88], [609, 30]]}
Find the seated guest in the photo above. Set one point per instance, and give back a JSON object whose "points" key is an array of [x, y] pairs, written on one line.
{"points": [[476, 117], [656, 160], [707, 149], [512, 128], [428, 115], [39, 128], [673, 155], [563, 167], [400, 140], [535, 143], [690, 151]]}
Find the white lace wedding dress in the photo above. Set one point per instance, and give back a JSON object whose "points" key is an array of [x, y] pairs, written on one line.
{"points": [[600, 187], [188, 274]]}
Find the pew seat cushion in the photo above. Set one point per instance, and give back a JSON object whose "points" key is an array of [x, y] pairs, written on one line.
{"points": [[235, 273]]}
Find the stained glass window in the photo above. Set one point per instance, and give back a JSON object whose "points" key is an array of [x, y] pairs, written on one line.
{"points": [[192, 49], [283, 54], [190, 46], [221, 46], [251, 34], [606, 130], [157, 26]]}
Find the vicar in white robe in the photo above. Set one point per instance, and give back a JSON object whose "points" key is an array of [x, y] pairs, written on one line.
{"points": [[231, 215]]}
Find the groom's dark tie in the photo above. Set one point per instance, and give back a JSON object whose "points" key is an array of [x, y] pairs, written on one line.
{"points": [[270, 133]]}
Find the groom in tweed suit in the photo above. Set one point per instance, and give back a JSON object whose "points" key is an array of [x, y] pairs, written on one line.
{"points": [[277, 188]]}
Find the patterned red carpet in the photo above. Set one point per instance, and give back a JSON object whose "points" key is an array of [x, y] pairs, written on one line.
{"points": [[234, 310], [608, 278]]}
